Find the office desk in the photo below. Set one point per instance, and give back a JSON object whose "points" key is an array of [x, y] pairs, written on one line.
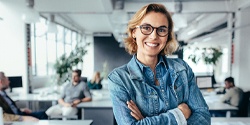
{"points": [[214, 104], [99, 109], [230, 121], [34, 99], [53, 122]]}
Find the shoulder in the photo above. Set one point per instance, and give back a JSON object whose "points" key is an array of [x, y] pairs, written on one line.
{"points": [[119, 70], [177, 64], [67, 85], [174, 61], [239, 90]]}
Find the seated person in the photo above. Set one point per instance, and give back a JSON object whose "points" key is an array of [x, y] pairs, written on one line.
{"points": [[95, 82], [74, 93], [10, 111], [233, 94]]}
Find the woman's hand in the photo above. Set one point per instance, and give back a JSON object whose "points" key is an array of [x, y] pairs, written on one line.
{"points": [[135, 112], [185, 110]]}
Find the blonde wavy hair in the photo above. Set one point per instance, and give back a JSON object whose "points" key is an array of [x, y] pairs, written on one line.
{"points": [[130, 43]]}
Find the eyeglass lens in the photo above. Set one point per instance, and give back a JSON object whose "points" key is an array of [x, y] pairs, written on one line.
{"points": [[148, 29]]}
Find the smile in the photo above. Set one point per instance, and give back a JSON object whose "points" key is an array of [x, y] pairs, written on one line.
{"points": [[152, 44]]}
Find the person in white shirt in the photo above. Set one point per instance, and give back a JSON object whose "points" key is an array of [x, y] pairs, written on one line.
{"points": [[233, 95]]}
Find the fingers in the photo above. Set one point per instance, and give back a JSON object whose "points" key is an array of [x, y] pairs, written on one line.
{"points": [[132, 106], [135, 112], [135, 116]]}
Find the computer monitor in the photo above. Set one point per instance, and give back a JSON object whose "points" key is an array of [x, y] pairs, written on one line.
{"points": [[204, 82], [15, 81]]}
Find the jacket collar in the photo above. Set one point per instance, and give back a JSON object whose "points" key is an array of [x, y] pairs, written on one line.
{"points": [[173, 65]]}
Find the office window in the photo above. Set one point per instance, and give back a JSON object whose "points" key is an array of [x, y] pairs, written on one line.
{"points": [[68, 42], [60, 41], [68, 36], [41, 52], [74, 39], [51, 42], [46, 47], [41, 47]]}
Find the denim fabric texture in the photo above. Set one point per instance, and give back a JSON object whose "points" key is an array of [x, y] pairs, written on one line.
{"points": [[158, 104]]}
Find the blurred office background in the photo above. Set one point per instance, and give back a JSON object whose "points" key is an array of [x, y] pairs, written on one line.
{"points": [[35, 33]]}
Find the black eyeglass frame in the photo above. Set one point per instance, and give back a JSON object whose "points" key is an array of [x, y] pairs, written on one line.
{"points": [[140, 26]]}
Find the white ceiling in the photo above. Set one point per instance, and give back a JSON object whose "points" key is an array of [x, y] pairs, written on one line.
{"points": [[108, 16]]}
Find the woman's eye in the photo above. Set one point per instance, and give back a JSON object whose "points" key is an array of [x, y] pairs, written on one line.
{"points": [[162, 30], [146, 27]]}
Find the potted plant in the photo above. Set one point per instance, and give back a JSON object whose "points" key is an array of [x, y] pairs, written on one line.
{"points": [[65, 63], [209, 55]]}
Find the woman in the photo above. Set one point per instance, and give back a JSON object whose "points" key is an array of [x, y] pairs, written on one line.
{"points": [[152, 89], [95, 82]]}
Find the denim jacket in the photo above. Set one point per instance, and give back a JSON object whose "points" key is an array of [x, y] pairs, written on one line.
{"points": [[158, 104]]}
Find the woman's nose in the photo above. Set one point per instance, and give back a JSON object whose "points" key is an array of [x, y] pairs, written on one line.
{"points": [[153, 35]]}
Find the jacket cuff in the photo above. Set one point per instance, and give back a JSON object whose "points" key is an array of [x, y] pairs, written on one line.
{"points": [[179, 117]]}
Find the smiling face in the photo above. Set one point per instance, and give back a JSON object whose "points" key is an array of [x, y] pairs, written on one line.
{"points": [[150, 45]]}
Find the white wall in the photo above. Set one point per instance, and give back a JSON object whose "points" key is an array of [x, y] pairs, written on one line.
{"points": [[12, 42], [241, 65]]}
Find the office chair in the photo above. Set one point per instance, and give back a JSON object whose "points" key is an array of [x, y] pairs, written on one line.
{"points": [[243, 106], [85, 79]]}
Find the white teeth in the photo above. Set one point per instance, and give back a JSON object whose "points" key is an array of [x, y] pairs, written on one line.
{"points": [[151, 44]]}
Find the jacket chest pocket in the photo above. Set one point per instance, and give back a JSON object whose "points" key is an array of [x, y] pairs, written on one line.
{"points": [[147, 103]]}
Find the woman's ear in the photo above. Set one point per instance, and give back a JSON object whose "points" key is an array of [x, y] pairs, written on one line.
{"points": [[133, 34]]}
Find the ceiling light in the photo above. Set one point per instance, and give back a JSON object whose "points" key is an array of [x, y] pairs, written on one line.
{"points": [[191, 32], [30, 15], [52, 28], [206, 39], [200, 17]]}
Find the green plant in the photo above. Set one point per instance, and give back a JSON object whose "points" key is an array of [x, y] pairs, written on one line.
{"points": [[105, 70], [209, 55], [65, 63]]}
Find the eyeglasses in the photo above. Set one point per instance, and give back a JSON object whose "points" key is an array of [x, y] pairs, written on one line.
{"points": [[148, 29]]}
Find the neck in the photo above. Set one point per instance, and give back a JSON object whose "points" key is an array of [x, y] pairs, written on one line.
{"points": [[75, 83], [150, 61]]}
